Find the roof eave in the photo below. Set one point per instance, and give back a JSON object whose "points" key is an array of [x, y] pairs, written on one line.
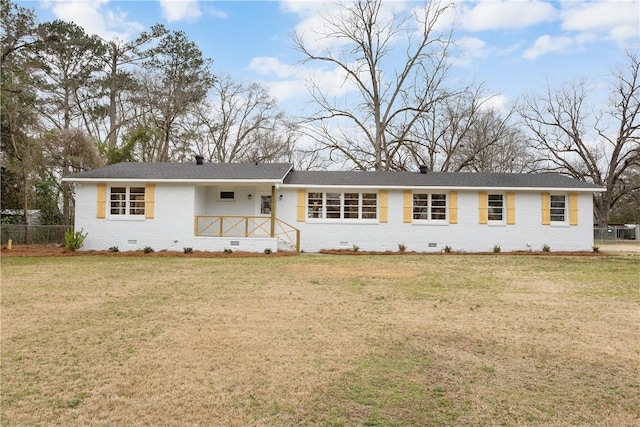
{"points": [[446, 187], [175, 181]]}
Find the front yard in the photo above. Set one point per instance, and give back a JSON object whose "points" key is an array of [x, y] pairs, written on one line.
{"points": [[321, 340]]}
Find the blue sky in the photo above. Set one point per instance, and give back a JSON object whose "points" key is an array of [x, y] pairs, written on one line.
{"points": [[515, 47]]}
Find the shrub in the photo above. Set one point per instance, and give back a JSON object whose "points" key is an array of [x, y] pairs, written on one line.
{"points": [[114, 249], [496, 249], [596, 249], [147, 249], [401, 247], [356, 248], [187, 250], [227, 251], [267, 251], [447, 249], [74, 239], [545, 248]]}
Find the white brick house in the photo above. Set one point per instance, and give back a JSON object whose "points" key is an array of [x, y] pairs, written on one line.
{"points": [[253, 207]]}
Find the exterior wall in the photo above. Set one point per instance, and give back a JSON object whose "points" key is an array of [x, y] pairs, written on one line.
{"points": [[176, 206], [172, 227], [468, 234]]}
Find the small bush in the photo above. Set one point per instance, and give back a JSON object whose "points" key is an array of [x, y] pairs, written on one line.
{"points": [[496, 249], [267, 251], [74, 239], [187, 250], [401, 247], [147, 249], [596, 249], [227, 251], [447, 249], [114, 249], [356, 248], [545, 248]]}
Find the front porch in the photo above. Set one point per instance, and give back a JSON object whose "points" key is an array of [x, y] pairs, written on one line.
{"points": [[242, 226]]}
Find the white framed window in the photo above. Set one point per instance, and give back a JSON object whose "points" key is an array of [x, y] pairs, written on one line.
{"points": [[558, 208], [430, 207], [342, 205], [127, 201], [495, 208], [227, 196]]}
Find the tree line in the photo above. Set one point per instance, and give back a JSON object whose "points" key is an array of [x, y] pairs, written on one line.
{"points": [[73, 101]]}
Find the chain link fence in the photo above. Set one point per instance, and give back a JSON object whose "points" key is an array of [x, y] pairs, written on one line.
{"points": [[33, 234], [617, 233]]}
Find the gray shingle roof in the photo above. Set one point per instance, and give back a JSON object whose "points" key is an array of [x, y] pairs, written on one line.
{"points": [[282, 172], [435, 179], [188, 171]]}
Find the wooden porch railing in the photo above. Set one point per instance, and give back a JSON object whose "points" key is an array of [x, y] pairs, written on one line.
{"points": [[246, 226]]}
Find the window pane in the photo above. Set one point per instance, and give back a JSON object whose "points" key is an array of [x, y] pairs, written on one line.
{"points": [[333, 205], [369, 205], [438, 206], [558, 205], [314, 209], [496, 207], [351, 205], [117, 201], [227, 195], [420, 206], [136, 201]]}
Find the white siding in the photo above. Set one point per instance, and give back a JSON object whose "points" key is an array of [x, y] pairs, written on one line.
{"points": [[172, 227], [528, 233], [176, 206]]}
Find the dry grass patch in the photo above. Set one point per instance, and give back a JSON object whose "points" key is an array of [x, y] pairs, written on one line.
{"points": [[321, 340]]}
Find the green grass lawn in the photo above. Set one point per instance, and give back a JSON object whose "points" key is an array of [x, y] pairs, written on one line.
{"points": [[386, 340]]}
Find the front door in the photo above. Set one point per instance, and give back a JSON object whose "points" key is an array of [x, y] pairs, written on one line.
{"points": [[265, 204]]}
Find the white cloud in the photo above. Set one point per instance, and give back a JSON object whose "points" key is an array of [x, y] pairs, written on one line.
{"points": [[270, 65], [96, 18], [496, 103], [216, 13], [549, 44], [315, 28], [292, 82], [619, 20], [498, 15], [469, 48], [180, 10]]}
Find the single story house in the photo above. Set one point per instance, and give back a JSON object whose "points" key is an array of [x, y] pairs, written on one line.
{"points": [[258, 207]]}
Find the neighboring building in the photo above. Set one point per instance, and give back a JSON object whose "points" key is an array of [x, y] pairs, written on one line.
{"points": [[253, 207]]}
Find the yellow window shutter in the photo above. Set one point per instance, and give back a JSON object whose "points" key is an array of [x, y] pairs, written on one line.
{"points": [[511, 208], [149, 200], [483, 213], [453, 207], [384, 206], [301, 204], [101, 205], [407, 205], [573, 208], [546, 208]]}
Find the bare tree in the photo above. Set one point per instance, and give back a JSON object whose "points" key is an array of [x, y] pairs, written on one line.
{"points": [[599, 147], [395, 62], [242, 122], [493, 143]]}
